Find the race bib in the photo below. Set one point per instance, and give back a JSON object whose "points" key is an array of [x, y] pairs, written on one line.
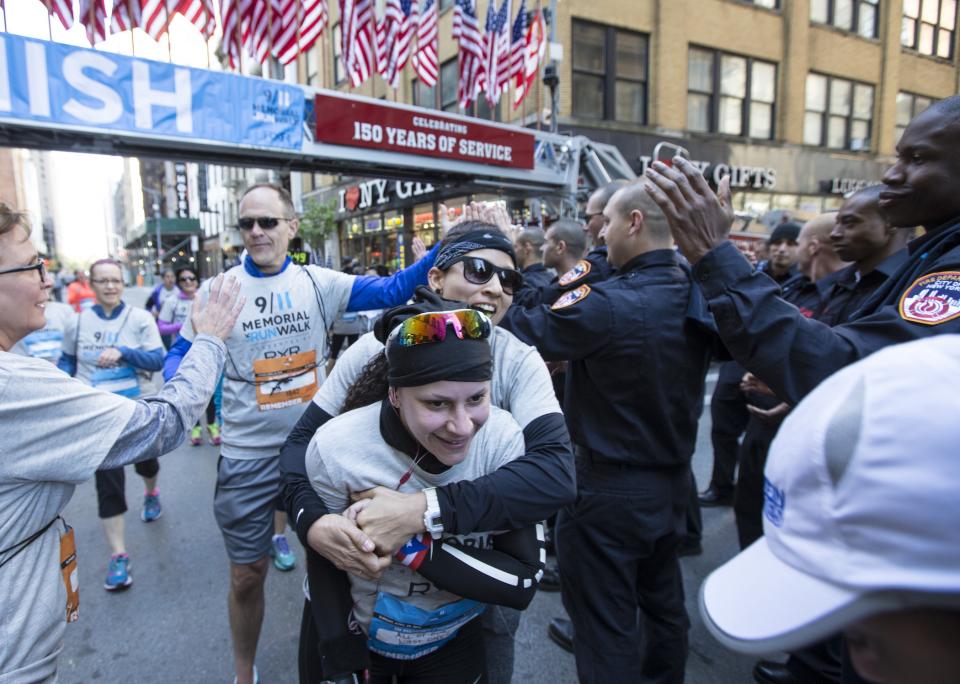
{"points": [[932, 299], [121, 380], [68, 569], [405, 632], [286, 380]]}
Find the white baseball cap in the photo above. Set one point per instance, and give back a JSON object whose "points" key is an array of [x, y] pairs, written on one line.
{"points": [[861, 506]]}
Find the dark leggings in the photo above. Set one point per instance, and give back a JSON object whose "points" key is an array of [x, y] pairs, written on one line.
{"points": [[337, 342], [211, 414], [110, 496], [460, 661]]}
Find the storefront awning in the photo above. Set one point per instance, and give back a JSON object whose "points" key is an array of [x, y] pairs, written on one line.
{"points": [[169, 228]]}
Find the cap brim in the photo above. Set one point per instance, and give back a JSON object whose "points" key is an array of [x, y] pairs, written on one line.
{"points": [[758, 604]]}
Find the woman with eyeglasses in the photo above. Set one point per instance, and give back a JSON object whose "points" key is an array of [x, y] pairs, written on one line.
{"points": [[59, 431], [110, 348], [173, 314], [422, 420], [475, 268]]}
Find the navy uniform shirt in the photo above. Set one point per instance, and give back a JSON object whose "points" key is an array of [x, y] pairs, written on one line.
{"points": [[593, 268], [793, 354], [851, 290], [536, 278], [639, 345]]}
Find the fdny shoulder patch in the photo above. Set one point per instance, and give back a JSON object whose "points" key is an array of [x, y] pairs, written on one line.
{"points": [[572, 297], [578, 272], [932, 299]]}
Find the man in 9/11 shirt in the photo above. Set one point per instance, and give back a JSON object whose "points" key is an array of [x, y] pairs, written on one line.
{"points": [[275, 363]]}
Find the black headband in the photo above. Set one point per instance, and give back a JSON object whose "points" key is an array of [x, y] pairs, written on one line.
{"points": [[472, 241], [453, 359]]}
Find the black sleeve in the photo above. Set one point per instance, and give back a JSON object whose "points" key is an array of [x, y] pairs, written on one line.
{"points": [[506, 575], [300, 501], [521, 493]]}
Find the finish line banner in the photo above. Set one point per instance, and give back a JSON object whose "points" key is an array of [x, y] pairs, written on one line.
{"points": [[51, 83], [394, 128]]}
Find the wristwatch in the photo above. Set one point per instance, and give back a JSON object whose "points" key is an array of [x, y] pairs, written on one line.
{"points": [[431, 517]]}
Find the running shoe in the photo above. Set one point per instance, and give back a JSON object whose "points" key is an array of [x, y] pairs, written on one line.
{"points": [[283, 558], [196, 436], [214, 431], [151, 508], [118, 573]]}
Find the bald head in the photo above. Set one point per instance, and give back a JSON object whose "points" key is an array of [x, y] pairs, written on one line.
{"points": [[815, 255], [633, 225], [634, 198], [595, 206]]}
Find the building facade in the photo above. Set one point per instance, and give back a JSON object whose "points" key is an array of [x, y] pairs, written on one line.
{"points": [[799, 101]]}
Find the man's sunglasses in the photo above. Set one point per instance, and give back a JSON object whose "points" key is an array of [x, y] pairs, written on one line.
{"points": [[40, 267], [479, 272], [265, 222], [468, 324]]}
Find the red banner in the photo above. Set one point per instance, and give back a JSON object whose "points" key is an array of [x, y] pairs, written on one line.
{"points": [[342, 121]]}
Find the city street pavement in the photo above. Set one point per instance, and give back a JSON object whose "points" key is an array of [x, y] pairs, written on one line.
{"points": [[171, 625]]}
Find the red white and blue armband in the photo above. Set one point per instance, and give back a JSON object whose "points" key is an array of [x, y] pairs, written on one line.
{"points": [[415, 551]]}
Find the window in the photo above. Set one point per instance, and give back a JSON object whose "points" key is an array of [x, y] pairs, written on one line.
{"points": [[929, 26], [339, 73], [609, 73], [909, 105], [770, 4], [730, 94], [443, 95], [858, 16], [839, 113], [313, 67], [445, 4]]}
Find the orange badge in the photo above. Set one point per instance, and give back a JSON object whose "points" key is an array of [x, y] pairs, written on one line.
{"points": [[285, 381], [576, 273], [932, 299], [572, 297]]}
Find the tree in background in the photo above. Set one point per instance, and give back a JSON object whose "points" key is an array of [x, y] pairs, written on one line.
{"points": [[317, 223]]}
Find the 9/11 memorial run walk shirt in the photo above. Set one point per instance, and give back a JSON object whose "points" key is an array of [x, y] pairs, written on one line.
{"points": [[275, 354], [127, 329]]}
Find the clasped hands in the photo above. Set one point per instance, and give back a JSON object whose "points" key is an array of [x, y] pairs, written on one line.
{"points": [[363, 539]]}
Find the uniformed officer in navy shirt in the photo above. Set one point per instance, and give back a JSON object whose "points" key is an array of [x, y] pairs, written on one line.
{"points": [[639, 347], [793, 354]]}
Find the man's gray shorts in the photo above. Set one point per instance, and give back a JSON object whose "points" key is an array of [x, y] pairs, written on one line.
{"points": [[244, 504]]}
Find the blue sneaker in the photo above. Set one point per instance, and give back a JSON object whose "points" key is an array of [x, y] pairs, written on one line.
{"points": [[118, 574], [151, 508], [283, 558]]}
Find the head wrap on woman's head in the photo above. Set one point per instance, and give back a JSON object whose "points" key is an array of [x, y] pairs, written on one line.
{"points": [[471, 241], [453, 359]]}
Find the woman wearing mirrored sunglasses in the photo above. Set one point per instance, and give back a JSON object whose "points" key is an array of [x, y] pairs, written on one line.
{"points": [[58, 432], [432, 424], [529, 489]]}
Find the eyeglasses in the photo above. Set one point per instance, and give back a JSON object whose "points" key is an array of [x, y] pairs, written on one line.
{"points": [[588, 217], [40, 266], [265, 222], [479, 272], [186, 279], [107, 281], [468, 324]]}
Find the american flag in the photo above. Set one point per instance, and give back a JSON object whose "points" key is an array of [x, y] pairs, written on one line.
{"points": [[200, 13], [313, 21], [466, 29], [93, 16], [425, 61], [535, 47], [231, 43], [63, 9], [125, 16], [496, 44], [394, 37], [155, 16], [263, 24], [517, 43], [358, 34], [310, 16]]}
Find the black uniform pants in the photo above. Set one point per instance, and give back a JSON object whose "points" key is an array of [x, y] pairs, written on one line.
{"points": [[728, 417], [111, 500], [617, 545]]}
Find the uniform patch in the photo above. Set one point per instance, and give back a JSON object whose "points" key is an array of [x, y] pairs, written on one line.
{"points": [[581, 270], [572, 297], [932, 299]]}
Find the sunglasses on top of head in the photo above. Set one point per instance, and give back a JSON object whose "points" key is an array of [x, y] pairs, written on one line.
{"points": [[265, 222], [479, 272]]}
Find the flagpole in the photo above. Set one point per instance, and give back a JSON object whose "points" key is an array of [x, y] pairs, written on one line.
{"points": [[298, 24], [166, 23], [49, 24], [239, 37], [539, 93], [206, 23], [133, 45]]}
